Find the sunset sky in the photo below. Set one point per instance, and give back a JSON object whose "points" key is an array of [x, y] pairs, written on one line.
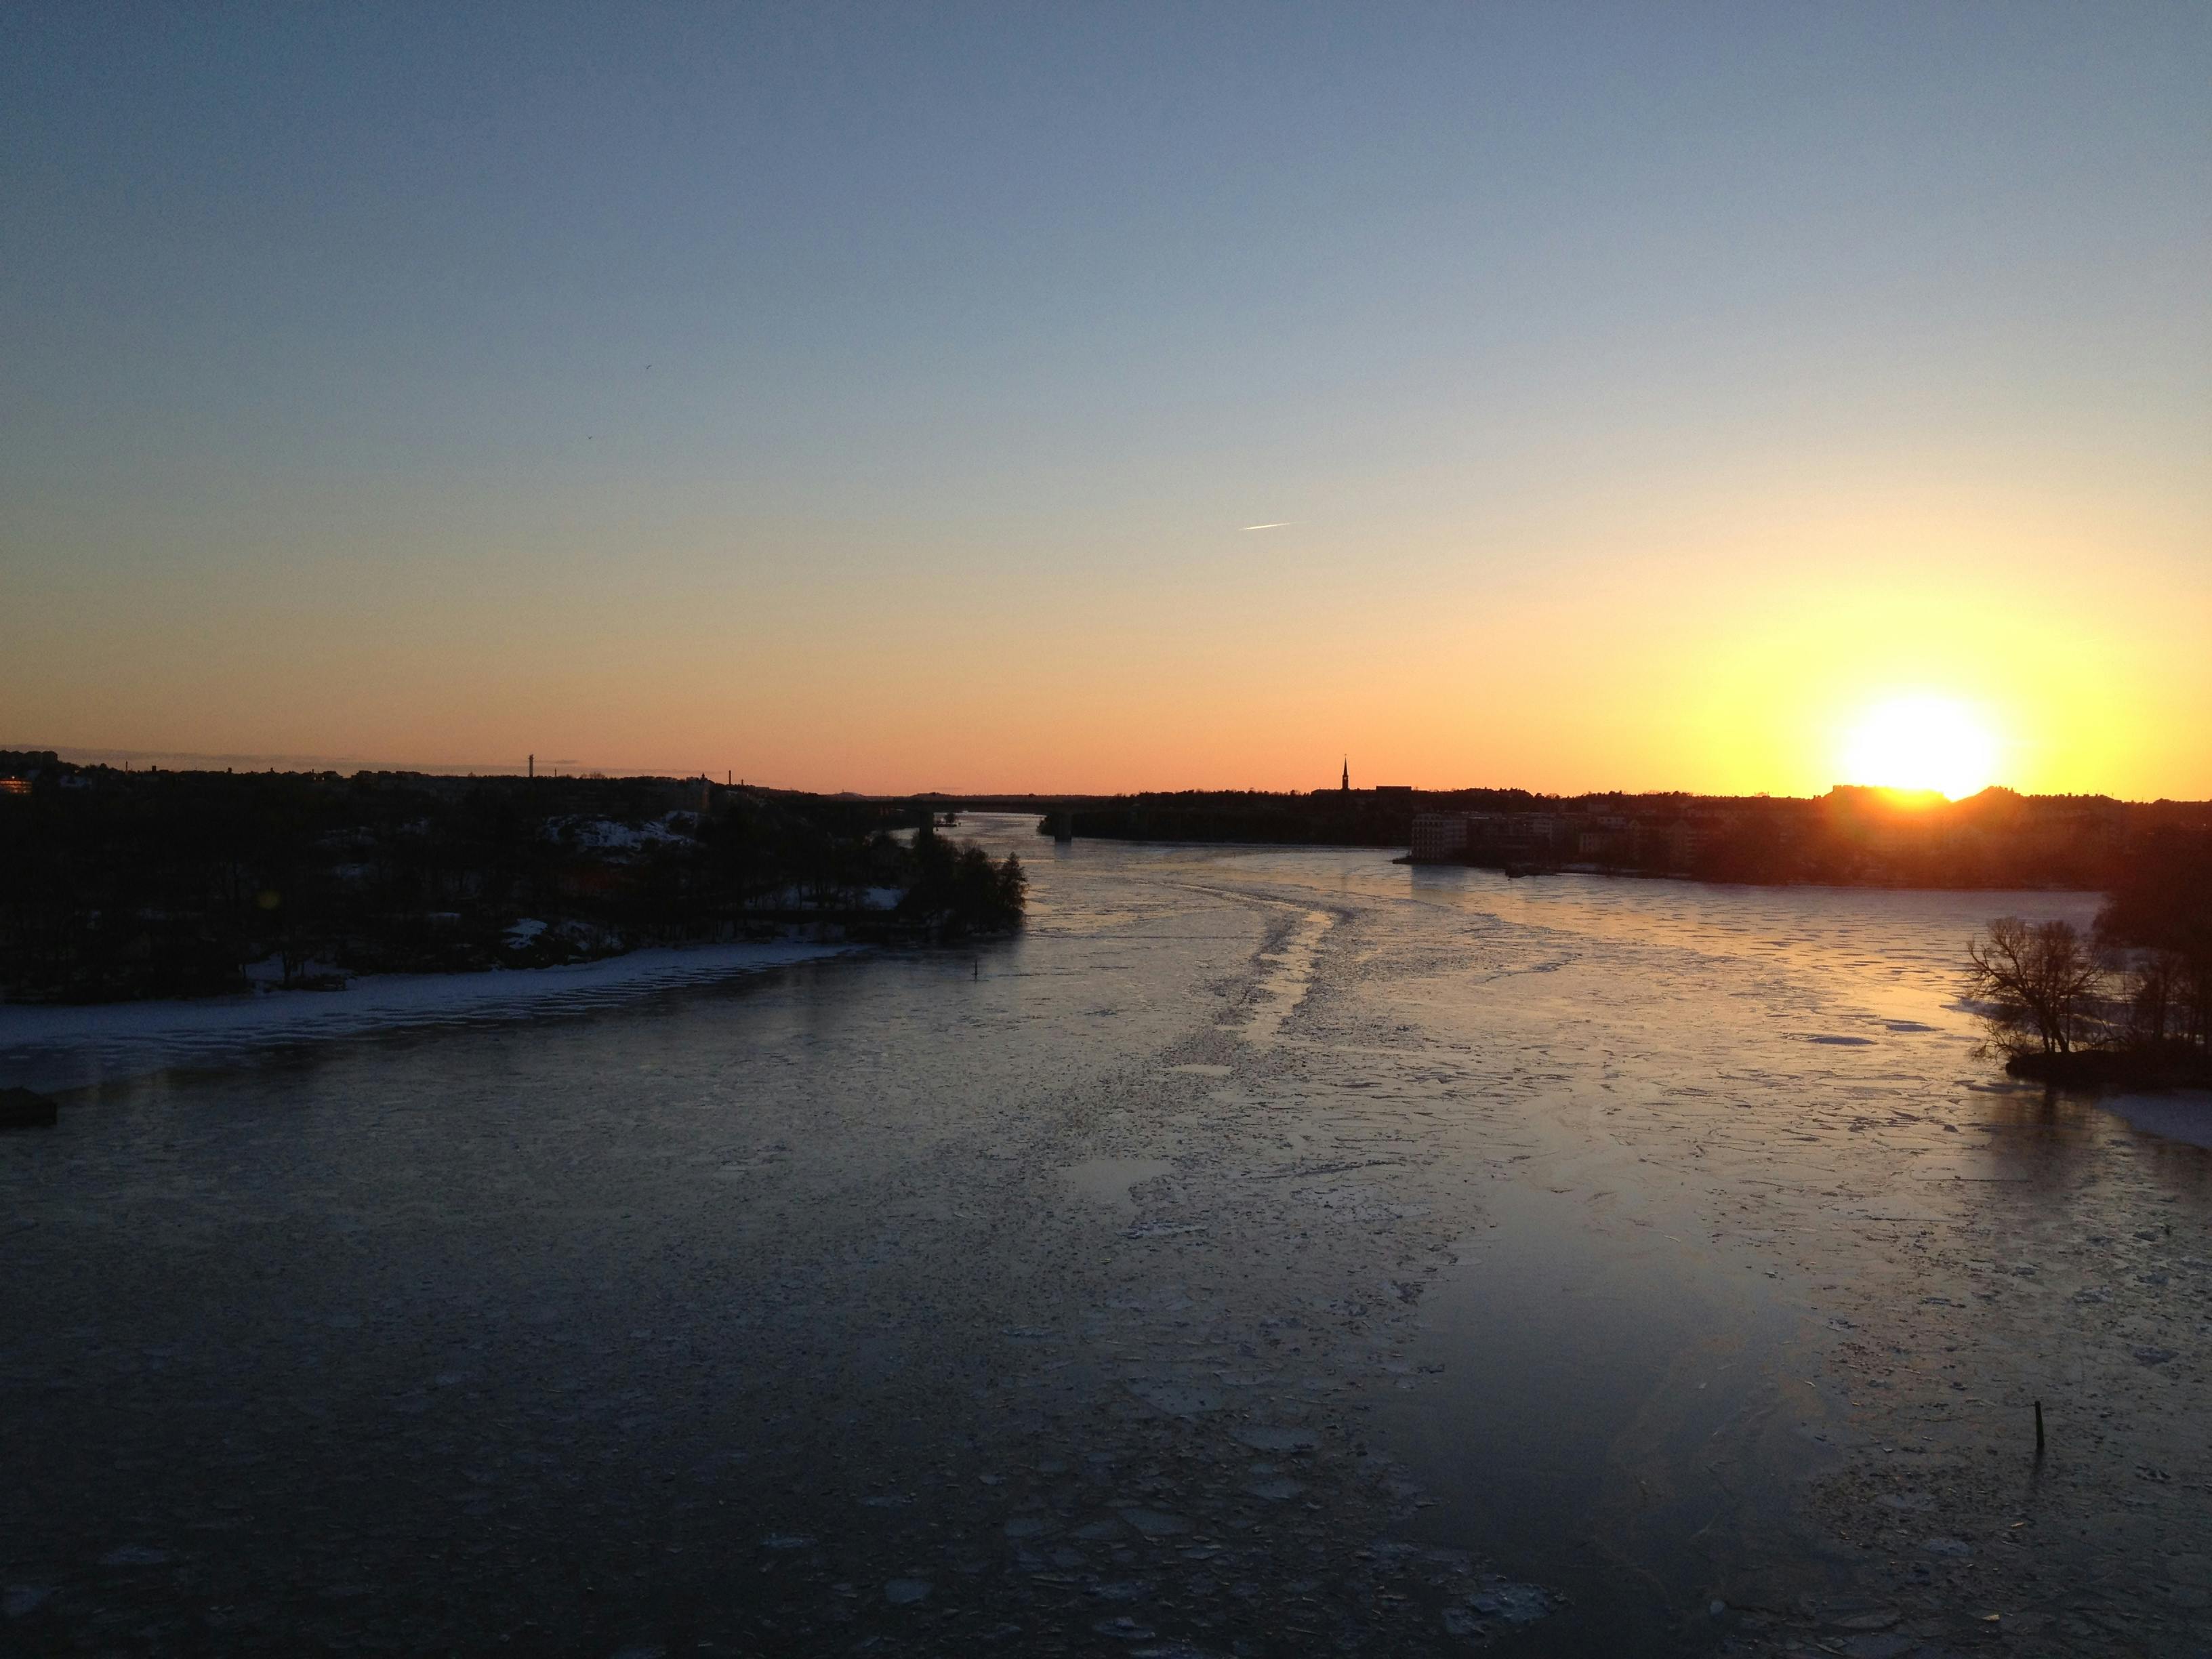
{"points": [[1640, 397]]}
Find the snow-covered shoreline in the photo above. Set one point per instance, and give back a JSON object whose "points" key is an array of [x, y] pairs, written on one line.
{"points": [[50, 1046]]}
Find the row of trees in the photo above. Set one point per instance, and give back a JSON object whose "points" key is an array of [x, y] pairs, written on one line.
{"points": [[1851, 836], [2140, 985], [958, 889], [129, 885]]}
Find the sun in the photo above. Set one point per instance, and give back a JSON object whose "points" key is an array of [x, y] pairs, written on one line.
{"points": [[1921, 743]]}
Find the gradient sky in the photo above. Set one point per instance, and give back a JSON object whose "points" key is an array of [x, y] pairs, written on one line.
{"points": [[873, 397]]}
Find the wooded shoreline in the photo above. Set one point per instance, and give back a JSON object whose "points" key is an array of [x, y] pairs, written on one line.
{"points": [[121, 885]]}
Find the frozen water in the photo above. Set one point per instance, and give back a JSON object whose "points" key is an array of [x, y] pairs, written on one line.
{"points": [[1155, 1525], [135, 1555], [1107, 1180], [1517, 1604], [2184, 1114], [1268, 1240]]}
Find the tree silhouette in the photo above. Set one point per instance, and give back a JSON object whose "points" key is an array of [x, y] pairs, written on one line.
{"points": [[2040, 981]]}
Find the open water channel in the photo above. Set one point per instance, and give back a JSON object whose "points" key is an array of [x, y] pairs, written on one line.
{"points": [[1267, 1252]]}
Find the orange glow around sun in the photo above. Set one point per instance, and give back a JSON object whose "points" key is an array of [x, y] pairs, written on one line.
{"points": [[1921, 743]]}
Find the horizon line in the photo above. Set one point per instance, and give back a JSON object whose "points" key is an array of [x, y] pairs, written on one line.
{"points": [[84, 754]]}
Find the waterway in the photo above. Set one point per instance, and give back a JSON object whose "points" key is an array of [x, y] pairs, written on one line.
{"points": [[1267, 1251]]}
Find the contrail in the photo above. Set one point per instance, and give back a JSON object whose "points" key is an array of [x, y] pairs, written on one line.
{"points": [[1284, 525]]}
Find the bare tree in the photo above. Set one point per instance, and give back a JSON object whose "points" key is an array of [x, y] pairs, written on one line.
{"points": [[2040, 981]]}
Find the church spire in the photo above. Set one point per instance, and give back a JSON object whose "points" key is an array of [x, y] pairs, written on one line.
{"points": [[1345, 786]]}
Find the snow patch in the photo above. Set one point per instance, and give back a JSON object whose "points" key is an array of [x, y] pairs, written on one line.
{"points": [[47, 1046]]}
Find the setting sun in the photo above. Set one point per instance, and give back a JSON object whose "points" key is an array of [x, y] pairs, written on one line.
{"points": [[1921, 743]]}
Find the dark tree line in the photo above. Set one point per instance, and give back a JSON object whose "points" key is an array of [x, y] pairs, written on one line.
{"points": [[2158, 916], [2131, 1000], [1357, 818], [961, 889], [1850, 836], [165, 883]]}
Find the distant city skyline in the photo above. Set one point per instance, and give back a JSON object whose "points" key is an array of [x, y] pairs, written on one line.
{"points": [[1574, 397]]}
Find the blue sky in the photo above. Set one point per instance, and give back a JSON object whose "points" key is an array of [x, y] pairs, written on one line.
{"points": [[354, 355]]}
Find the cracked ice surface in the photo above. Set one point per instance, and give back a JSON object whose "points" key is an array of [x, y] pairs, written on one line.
{"points": [[1270, 1252]]}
